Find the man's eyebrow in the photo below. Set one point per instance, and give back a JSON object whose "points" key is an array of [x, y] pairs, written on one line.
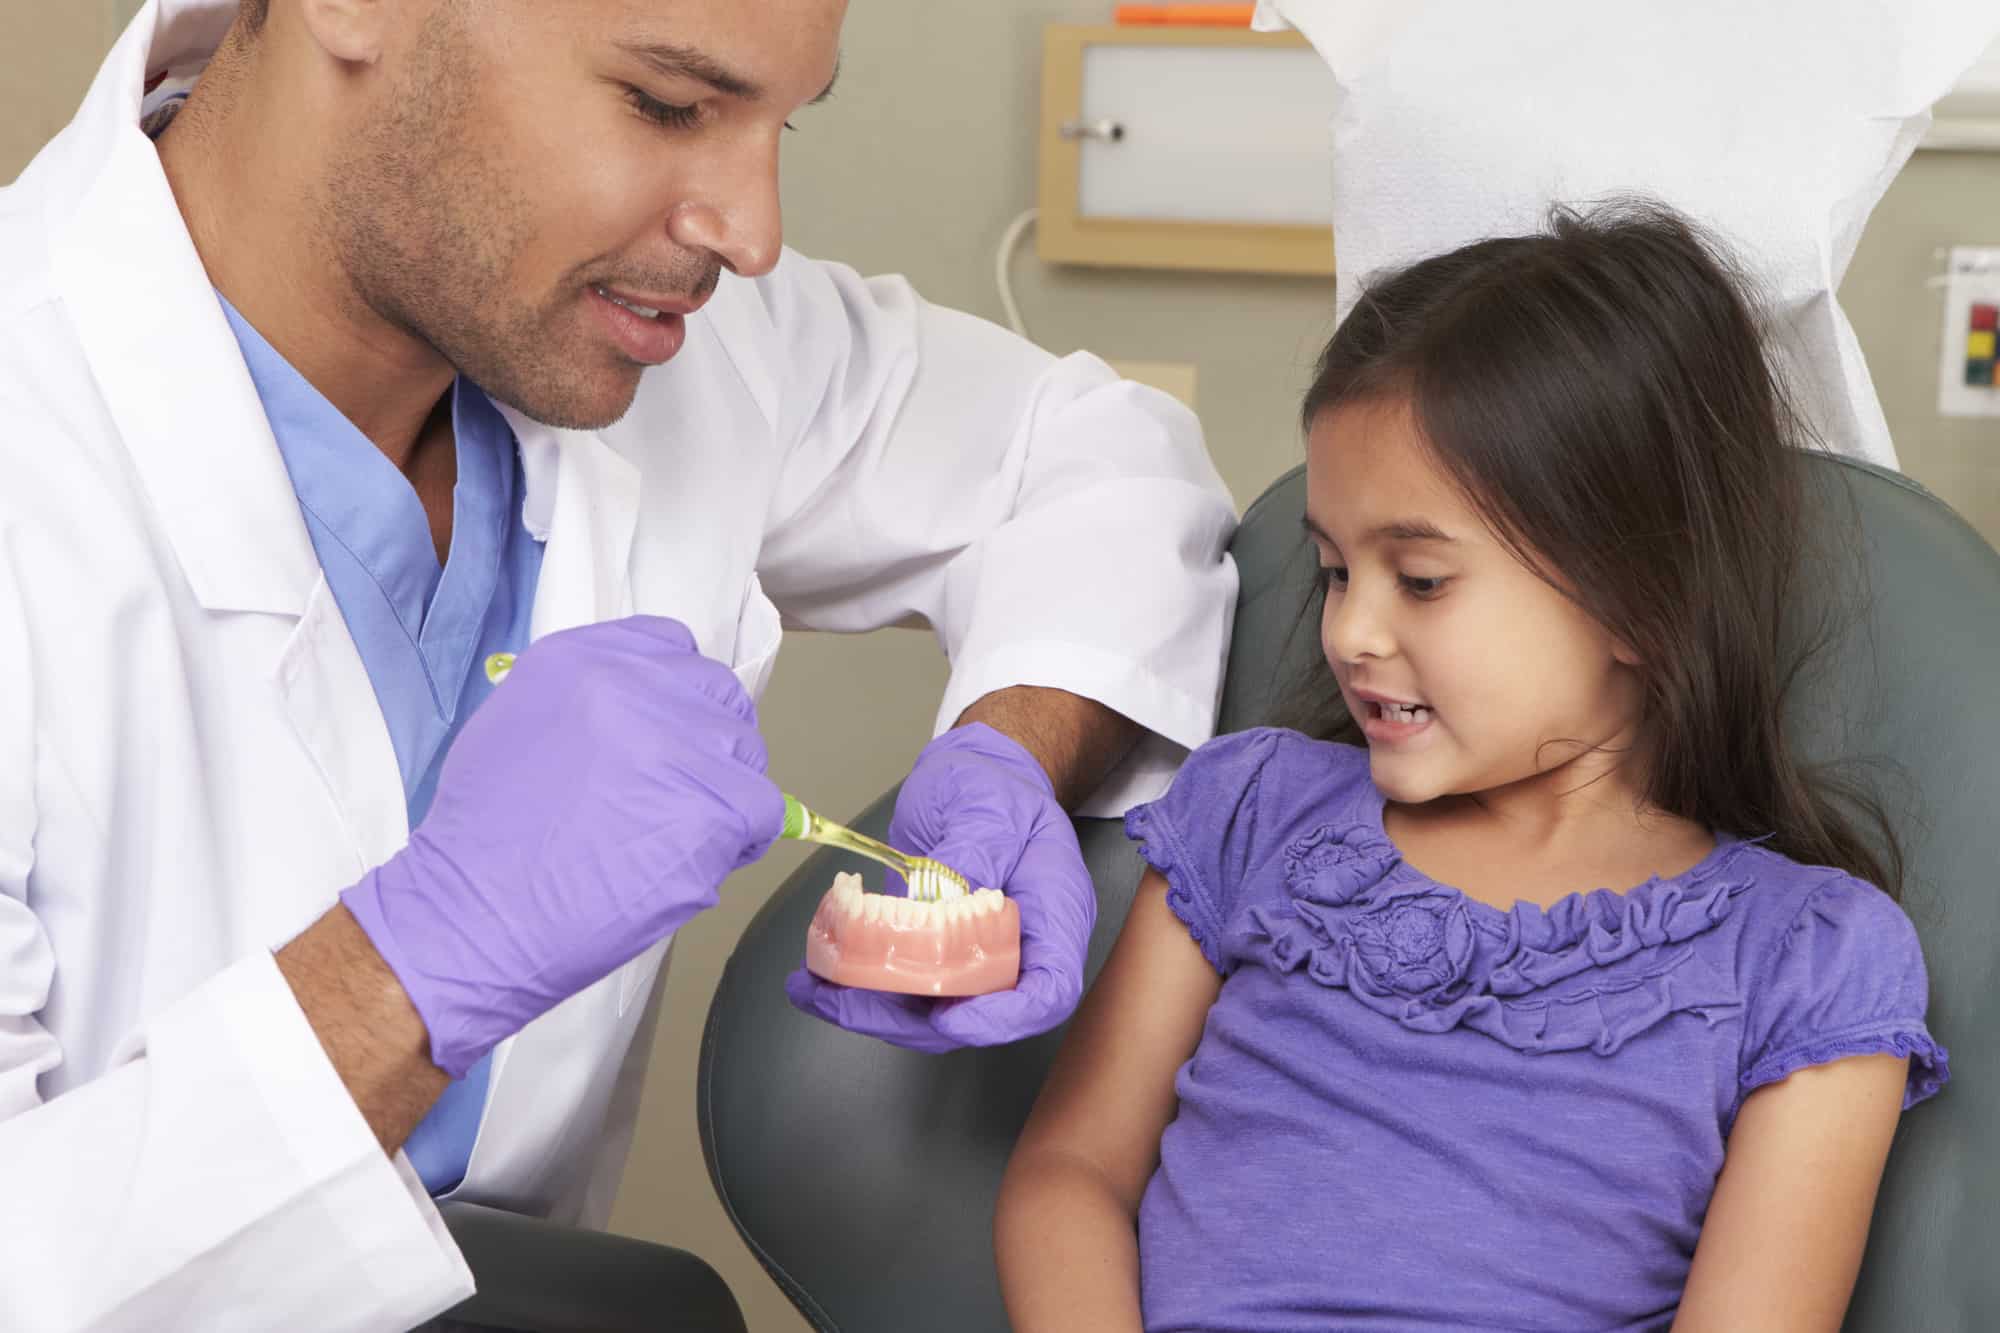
{"points": [[686, 62]]}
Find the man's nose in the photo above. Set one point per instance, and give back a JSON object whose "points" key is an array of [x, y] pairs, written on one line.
{"points": [[738, 219]]}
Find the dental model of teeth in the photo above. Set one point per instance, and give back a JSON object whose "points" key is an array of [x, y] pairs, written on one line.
{"points": [[969, 945]]}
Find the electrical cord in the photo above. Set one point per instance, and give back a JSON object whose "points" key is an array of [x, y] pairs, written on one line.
{"points": [[1003, 265]]}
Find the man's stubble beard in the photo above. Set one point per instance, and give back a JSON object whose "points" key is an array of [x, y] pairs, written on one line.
{"points": [[426, 229]]}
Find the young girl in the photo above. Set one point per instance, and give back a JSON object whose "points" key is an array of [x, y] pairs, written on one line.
{"points": [[1564, 1001]]}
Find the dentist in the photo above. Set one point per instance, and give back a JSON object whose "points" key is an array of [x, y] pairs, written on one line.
{"points": [[344, 343]]}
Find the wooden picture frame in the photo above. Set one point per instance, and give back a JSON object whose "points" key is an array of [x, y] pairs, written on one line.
{"points": [[1064, 236]]}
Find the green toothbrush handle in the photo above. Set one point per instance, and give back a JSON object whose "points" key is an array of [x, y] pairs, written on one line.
{"points": [[806, 826]]}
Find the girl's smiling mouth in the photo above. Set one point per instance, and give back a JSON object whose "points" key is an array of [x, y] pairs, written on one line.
{"points": [[1390, 721]]}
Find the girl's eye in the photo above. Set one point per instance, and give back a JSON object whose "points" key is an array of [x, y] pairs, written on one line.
{"points": [[1422, 588], [665, 114], [1331, 576]]}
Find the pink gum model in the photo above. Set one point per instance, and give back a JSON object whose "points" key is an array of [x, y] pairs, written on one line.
{"points": [[963, 946]]}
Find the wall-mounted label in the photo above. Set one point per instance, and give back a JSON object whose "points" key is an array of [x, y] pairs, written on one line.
{"points": [[1967, 383]]}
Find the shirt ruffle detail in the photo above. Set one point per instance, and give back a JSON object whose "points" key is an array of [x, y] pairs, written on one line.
{"points": [[1590, 972], [1930, 1063], [1159, 848]]}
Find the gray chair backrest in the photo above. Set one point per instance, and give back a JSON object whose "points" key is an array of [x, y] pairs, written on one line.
{"points": [[863, 1177]]}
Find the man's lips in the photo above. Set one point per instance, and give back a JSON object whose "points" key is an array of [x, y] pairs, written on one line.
{"points": [[648, 336], [645, 303]]}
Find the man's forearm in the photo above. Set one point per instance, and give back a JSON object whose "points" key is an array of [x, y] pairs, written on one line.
{"points": [[365, 1023], [1076, 740]]}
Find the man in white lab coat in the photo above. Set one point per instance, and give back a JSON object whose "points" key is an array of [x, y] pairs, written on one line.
{"points": [[347, 343]]}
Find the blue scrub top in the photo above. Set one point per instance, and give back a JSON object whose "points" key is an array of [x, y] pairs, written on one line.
{"points": [[423, 630]]}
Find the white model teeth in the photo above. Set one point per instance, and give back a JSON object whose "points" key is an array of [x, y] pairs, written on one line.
{"points": [[909, 913], [934, 884], [645, 311]]}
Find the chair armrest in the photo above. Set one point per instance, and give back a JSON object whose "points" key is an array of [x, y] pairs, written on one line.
{"points": [[543, 1277]]}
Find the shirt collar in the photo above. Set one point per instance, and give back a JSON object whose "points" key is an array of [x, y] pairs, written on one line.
{"points": [[364, 502]]}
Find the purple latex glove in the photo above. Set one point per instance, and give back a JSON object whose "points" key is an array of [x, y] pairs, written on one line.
{"points": [[981, 804], [592, 805]]}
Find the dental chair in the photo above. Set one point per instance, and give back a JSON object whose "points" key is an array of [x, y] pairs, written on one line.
{"points": [[536, 1276], [863, 1177]]}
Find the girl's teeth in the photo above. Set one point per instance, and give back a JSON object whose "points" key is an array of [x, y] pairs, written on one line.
{"points": [[1405, 712]]}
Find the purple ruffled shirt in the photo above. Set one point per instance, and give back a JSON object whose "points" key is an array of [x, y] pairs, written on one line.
{"points": [[1412, 1110]]}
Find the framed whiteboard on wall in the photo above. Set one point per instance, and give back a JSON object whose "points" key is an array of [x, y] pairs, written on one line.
{"points": [[1189, 148]]}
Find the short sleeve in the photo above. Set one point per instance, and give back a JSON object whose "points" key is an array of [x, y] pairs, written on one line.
{"points": [[1846, 979], [1203, 832]]}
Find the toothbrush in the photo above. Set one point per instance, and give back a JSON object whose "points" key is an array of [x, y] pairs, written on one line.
{"points": [[930, 881]]}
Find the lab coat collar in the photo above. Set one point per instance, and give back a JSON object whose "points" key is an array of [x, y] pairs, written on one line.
{"points": [[158, 343], [173, 375], [583, 500]]}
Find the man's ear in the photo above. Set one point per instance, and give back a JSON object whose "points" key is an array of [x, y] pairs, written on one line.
{"points": [[348, 30]]}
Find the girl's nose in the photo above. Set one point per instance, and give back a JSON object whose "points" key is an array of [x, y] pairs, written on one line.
{"points": [[1351, 629]]}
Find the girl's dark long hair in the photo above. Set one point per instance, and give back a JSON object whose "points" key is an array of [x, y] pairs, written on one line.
{"points": [[1603, 396]]}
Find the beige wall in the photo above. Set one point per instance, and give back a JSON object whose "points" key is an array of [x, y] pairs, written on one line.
{"points": [[48, 51], [953, 87], [1940, 200]]}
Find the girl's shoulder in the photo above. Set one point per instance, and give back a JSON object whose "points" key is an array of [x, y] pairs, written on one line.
{"points": [[1236, 805], [1797, 921], [1239, 791], [1785, 896], [1282, 765], [1830, 966]]}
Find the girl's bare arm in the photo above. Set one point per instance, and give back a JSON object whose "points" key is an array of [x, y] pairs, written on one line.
{"points": [[1065, 1232], [1789, 1220]]}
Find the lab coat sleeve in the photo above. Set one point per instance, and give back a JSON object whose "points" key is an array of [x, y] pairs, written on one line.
{"points": [[216, 1177], [1054, 524]]}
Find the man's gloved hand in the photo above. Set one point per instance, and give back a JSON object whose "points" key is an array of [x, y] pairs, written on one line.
{"points": [[981, 804], [592, 805]]}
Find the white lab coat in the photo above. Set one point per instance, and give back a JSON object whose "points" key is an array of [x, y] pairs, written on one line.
{"points": [[192, 763]]}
